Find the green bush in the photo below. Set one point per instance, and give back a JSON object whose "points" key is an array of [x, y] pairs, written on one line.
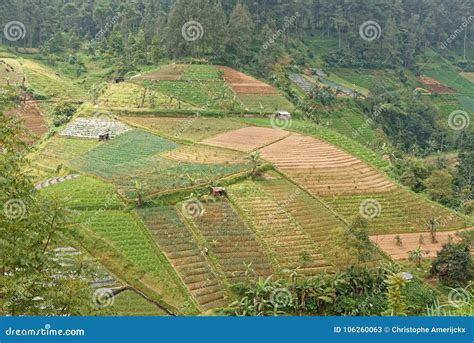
{"points": [[418, 297], [62, 113], [452, 264]]}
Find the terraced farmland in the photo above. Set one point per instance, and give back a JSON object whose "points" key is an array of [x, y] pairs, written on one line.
{"points": [[315, 219], [411, 241], [129, 303], [169, 72], [191, 128], [133, 96], [47, 82], [201, 94], [232, 242], [86, 193], [125, 233], [60, 150], [246, 139], [399, 211], [290, 245], [323, 169], [179, 245], [135, 156], [32, 117], [200, 153]]}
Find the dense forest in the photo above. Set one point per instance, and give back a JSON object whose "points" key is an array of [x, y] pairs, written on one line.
{"points": [[235, 31]]}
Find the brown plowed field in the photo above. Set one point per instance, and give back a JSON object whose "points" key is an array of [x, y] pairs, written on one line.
{"points": [[411, 241], [245, 84], [323, 169], [204, 154], [33, 119], [434, 85], [247, 138]]}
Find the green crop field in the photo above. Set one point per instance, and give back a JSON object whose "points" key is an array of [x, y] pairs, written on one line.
{"points": [[132, 95], [281, 235], [201, 72], [128, 236], [301, 206], [86, 193], [400, 211], [135, 156], [47, 82], [441, 70], [129, 303], [59, 150], [231, 241], [184, 252]]}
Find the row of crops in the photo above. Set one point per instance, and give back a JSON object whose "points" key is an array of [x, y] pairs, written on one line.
{"points": [[127, 236], [180, 246], [318, 131], [46, 82], [396, 211], [283, 237]]}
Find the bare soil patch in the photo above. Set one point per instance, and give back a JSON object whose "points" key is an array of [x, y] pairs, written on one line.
{"points": [[30, 113], [434, 85], [411, 241], [245, 84], [322, 168], [247, 138], [204, 154]]}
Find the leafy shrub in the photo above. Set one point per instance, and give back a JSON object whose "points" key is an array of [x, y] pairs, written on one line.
{"points": [[452, 264], [62, 113]]}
